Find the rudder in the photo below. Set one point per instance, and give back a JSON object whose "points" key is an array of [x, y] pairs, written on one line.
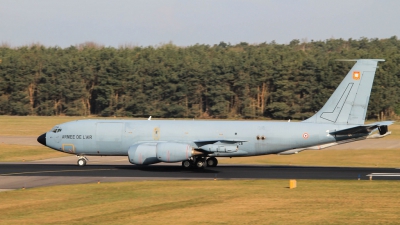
{"points": [[349, 103]]}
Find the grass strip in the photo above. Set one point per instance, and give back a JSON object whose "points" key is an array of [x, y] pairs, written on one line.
{"points": [[21, 153], [358, 158], [206, 202]]}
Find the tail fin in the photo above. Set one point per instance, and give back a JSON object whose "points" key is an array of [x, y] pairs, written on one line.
{"points": [[349, 102]]}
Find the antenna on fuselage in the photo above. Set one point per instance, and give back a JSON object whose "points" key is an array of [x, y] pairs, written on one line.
{"points": [[149, 118]]}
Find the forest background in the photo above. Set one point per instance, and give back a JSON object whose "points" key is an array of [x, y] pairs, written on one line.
{"points": [[267, 80]]}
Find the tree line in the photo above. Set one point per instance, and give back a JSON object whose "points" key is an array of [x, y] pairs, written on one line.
{"points": [[267, 80]]}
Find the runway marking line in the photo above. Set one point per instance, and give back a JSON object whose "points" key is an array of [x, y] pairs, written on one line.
{"points": [[51, 171], [98, 162], [383, 175]]}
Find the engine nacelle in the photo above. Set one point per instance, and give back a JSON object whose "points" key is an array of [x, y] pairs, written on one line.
{"points": [[175, 152], [150, 153], [143, 154]]}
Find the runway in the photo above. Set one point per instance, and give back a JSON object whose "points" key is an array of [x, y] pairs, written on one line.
{"points": [[18, 175]]}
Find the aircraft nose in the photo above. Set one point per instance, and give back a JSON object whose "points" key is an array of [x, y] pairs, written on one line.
{"points": [[42, 139]]}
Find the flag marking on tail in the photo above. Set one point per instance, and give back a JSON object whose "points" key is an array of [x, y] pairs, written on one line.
{"points": [[356, 75]]}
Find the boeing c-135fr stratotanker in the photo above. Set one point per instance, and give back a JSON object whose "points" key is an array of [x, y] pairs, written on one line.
{"points": [[198, 143]]}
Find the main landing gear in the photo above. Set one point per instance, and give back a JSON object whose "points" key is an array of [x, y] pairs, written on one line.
{"points": [[200, 162], [212, 162], [82, 160]]}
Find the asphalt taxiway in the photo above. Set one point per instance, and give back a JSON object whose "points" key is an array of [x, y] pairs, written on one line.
{"points": [[25, 175]]}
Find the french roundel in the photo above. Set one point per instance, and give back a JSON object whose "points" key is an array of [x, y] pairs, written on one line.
{"points": [[305, 135]]}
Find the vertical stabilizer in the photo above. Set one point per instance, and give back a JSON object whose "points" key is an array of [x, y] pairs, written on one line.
{"points": [[349, 103]]}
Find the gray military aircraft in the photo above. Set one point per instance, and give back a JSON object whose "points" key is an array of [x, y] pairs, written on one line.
{"points": [[198, 143]]}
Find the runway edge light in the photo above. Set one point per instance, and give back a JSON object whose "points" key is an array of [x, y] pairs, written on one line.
{"points": [[292, 184]]}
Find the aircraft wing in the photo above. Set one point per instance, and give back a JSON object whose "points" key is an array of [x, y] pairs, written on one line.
{"points": [[213, 141], [363, 129], [218, 145]]}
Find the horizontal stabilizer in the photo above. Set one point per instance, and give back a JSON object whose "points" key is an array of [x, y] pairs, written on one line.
{"points": [[355, 130], [364, 129], [382, 123]]}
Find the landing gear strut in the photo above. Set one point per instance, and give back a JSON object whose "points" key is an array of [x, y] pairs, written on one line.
{"points": [[82, 160]]}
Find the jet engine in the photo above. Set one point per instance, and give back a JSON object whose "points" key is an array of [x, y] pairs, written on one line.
{"points": [[150, 153], [143, 154]]}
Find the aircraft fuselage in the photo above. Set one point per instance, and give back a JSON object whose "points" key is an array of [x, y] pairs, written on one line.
{"points": [[114, 137]]}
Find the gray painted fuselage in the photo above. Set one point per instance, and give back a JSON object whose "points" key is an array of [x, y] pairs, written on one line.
{"points": [[114, 137]]}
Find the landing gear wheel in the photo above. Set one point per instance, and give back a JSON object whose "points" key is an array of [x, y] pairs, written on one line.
{"points": [[187, 164], [82, 162], [200, 164], [212, 162]]}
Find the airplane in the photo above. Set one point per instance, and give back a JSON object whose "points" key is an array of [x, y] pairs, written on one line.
{"points": [[197, 144]]}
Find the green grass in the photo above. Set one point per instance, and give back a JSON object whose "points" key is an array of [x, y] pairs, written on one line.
{"points": [[357, 158], [30, 125], [206, 202], [395, 129], [21, 153]]}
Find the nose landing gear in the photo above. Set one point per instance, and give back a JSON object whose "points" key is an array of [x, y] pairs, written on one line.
{"points": [[82, 160]]}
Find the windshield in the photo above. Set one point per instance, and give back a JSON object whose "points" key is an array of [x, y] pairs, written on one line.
{"points": [[56, 129]]}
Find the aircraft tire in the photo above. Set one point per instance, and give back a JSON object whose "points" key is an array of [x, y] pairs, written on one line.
{"points": [[199, 164], [187, 164], [81, 162], [212, 162]]}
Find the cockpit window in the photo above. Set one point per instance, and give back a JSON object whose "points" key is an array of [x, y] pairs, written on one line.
{"points": [[56, 130]]}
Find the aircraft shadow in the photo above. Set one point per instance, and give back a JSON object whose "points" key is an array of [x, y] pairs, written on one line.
{"points": [[167, 169]]}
